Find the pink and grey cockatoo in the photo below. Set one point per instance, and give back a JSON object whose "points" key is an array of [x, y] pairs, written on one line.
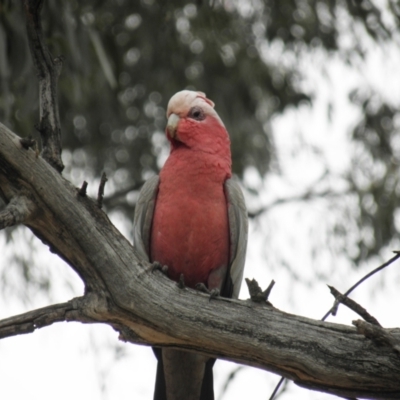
{"points": [[193, 218]]}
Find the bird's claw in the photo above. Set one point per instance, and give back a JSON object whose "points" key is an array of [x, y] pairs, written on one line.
{"points": [[181, 282], [156, 266], [214, 293], [203, 288]]}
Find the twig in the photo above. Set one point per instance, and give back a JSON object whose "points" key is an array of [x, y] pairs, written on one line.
{"points": [[48, 70], [28, 322], [17, 211], [82, 190], [285, 382], [100, 195], [384, 265], [256, 293], [229, 380], [334, 308], [353, 305]]}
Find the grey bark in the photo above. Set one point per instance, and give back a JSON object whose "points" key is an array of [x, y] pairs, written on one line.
{"points": [[148, 308], [48, 70]]}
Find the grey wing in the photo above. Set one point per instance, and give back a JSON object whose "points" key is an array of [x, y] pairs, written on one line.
{"points": [[238, 227], [144, 216]]}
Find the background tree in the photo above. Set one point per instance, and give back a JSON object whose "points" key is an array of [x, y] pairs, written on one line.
{"points": [[123, 61]]}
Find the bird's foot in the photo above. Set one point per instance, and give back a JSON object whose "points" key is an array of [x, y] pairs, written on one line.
{"points": [[181, 282], [156, 266], [203, 288]]}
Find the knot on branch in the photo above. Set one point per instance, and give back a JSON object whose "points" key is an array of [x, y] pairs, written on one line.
{"points": [[17, 211], [377, 334]]}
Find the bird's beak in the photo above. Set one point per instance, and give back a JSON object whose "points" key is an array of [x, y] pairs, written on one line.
{"points": [[172, 125]]}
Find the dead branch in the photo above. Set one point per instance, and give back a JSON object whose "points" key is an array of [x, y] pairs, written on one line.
{"points": [[32, 320], [82, 190], [48, 70], [335, 306], [354, 306], [100, 194], [256, 293]]}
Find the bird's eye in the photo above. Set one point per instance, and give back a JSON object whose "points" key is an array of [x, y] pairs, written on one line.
{"points": [[196, 113]]}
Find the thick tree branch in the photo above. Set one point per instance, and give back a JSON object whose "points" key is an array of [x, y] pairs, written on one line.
{"points": [[48, 70], [146, 307]]}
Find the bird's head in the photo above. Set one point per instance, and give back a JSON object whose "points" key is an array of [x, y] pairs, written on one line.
{"points": [[193, 122]]}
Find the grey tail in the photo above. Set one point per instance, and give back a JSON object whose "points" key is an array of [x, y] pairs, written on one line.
{"points": [[207, 388]]}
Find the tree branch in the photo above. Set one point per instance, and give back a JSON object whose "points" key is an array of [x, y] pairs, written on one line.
{"points": [[354, 306], [48, 70], [146, 307], [100, 194], [32, 320]]}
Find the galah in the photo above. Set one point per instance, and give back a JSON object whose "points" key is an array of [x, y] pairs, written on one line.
{"points": [[192, 218]]}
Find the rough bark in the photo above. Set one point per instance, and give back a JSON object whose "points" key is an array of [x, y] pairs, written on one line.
{"points": [[147, 308], [48, 70]]}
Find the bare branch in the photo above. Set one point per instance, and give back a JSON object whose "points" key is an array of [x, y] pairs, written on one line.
{"points": [[333, 310], [256, 293], [354, 306], [100, 194], [32, 320], [82, 190], [48, 70], [17, 211], [274, 394]]}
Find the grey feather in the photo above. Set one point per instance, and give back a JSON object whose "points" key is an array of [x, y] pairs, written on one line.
{"points": [[185, 375], [144, 216], [238, 227]]}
